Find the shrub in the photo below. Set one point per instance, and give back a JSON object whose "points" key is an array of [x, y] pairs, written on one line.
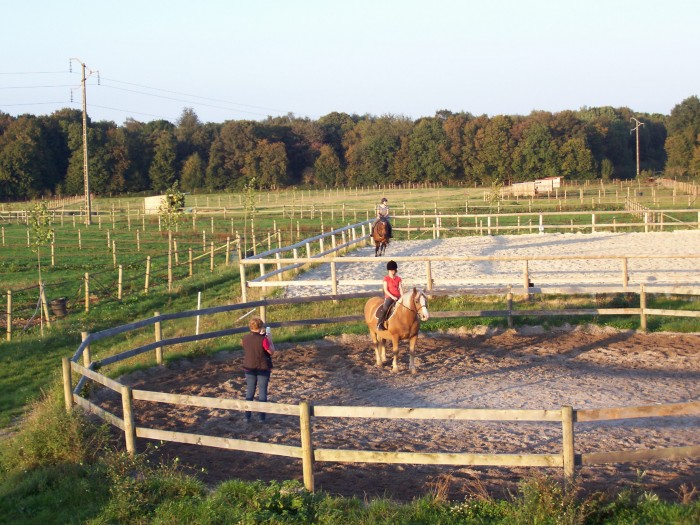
{"points": [[50, 436]]}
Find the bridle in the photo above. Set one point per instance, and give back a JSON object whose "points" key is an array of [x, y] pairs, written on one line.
{"points": [[416, 303]]}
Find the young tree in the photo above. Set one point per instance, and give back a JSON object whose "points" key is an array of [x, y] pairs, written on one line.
{"points": [[41, 233], [171, 213]]}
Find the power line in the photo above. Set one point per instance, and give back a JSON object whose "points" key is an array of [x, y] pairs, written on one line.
{"points": [[129, 111], [194, 96], [32, 104], [37, 87], [163, 97], [32, 72]]}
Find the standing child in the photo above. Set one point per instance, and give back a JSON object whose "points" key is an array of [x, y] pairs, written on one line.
{"points": [[393, 290]]}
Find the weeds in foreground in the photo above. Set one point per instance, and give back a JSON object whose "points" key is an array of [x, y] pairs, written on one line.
{"points": [[51, 436]]}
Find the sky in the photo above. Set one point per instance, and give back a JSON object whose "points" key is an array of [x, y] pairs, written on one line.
{"points": [[250, 59]]}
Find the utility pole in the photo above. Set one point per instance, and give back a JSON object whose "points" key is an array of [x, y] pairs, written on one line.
{"points": [[86, 177], [636, 129]]}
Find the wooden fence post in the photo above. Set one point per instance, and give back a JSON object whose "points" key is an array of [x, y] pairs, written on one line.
{"points": [[129, 425], [158, 338], [170, 260], [263, 313], [191, 262], [279, 266], [120, 282], [428, 276], [567, 424], [307, 452], [44, 303], [228, 251], [9, 315], [148, 273], [87, 358], [211, 258], [625, 275], [642, 308], [509, 301], [87, 292], [244, 291], [67, 385], [334, 280]]}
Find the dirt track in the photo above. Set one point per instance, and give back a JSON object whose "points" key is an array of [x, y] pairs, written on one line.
{"points": [[585, 368]]}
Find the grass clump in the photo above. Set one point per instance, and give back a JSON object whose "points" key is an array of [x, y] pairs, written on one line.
{"points": [[50, 436]]}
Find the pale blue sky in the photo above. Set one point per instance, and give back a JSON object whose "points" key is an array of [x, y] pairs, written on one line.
{"points": [[240, 59]]}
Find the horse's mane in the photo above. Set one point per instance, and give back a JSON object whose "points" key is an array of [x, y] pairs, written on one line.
{"points": [[406, 296]]}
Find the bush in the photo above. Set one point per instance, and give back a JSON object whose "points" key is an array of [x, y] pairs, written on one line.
{"points": [[137, 488], [51, 436]]}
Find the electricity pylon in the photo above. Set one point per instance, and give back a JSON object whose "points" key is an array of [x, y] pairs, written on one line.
{"points": [[636, 129]]}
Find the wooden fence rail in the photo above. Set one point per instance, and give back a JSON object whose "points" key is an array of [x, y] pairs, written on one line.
{"points": [[567, 416]]}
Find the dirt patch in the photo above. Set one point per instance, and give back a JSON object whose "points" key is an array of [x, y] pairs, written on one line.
{"points": [[529, 369]]}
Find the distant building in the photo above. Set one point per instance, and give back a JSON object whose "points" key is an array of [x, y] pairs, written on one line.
{"points": [[151, 204], [533, 188], [547, 184]]}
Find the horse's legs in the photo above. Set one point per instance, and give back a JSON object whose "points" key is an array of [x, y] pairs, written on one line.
{"points": [[411, 348], [379, 349], [395, 346]]}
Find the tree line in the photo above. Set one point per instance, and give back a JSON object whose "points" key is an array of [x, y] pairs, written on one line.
{"points": [[43, 155]]}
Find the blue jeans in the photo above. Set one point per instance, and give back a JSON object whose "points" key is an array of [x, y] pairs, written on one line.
{"points": [[259, 379]]}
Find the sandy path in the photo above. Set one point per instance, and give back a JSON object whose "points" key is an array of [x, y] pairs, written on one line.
{"points": [[529, 369], [648, 271]]}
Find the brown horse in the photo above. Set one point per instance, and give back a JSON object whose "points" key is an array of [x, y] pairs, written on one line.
{"points": [[402, 324], [380, 236]]}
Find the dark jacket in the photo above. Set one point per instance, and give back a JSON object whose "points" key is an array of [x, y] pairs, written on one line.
{"points": [[254, 355]]}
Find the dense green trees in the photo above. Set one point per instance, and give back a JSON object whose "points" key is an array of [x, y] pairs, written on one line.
{"points": [[44, 155], [683, 142]]}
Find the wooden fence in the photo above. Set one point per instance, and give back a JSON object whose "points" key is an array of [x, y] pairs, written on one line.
{"points": [[566, 458], [173, 260]]}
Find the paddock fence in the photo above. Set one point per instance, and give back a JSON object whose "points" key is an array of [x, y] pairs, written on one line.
{"points": [[566, 458]]}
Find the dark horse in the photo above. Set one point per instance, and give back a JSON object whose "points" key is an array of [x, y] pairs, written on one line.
{"points": [[380, 236], [403, 323]]}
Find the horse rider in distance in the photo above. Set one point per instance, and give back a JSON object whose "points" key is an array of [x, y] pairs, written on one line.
{"points": [[383, 215]]}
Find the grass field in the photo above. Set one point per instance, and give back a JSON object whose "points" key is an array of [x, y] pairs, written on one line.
{"points": [[60, 477]]}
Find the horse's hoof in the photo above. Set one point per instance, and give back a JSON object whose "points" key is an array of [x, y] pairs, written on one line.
{"points": [[414, 371], [395, 370]]}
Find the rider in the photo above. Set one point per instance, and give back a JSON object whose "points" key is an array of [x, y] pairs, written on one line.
{"points": [[393, 290], [383, 215]]}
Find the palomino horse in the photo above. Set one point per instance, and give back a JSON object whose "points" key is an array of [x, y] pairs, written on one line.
{"points": [[380, 236], [404, 322]]}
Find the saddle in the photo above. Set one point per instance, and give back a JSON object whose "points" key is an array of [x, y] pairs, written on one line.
{"points": [[388, 314]]}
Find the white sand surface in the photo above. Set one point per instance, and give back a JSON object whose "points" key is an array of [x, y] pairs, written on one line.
{"points": [[670, 270]]}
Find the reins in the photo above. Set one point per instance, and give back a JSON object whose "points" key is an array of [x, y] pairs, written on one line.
{"points": [[414, 303]]}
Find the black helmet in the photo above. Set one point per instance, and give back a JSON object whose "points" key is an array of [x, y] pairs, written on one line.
{"points": [[384, 199], [391, 265]]}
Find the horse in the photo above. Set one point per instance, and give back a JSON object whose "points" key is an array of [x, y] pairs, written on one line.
{"points": [[380, 236], [402, 324]]}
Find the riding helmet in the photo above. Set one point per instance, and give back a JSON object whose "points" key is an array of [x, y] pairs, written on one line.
{"points": [[384, 200], [391, 265]]}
